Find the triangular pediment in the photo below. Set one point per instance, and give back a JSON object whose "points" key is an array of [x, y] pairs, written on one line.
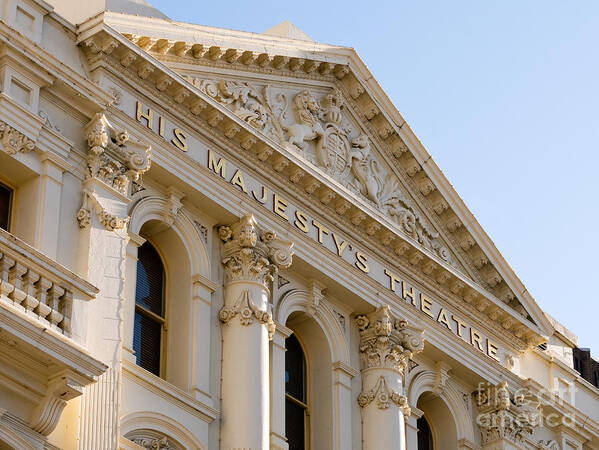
{"points": [[287, 30], [318, 105], [316, 124]]}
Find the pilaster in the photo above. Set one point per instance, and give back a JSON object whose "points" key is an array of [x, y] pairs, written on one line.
{"points": [[412, 428], [201, 336], [114, 162], [134, 242], [48, 224], [277, 388], [342, 404]]}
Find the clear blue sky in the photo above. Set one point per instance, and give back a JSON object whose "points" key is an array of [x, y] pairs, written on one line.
{"points": [[504, 95]]}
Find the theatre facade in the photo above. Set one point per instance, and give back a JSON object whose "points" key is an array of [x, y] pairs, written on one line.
{"points": [[214, 239]]}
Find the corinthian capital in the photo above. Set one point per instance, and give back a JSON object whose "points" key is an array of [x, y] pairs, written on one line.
{"points": [[386, 341], [252, 255], [114, 157], [506, 416]]}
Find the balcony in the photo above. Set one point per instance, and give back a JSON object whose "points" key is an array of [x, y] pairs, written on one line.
{"points": [[42, 363]]}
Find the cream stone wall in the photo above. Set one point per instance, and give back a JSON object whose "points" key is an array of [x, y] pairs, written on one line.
{"points": [[285, 195]]}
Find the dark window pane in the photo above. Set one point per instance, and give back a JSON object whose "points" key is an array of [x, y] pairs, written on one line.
{"points": [[146, 343], [150, 279], [5, 199], [425, 437], [294, 369], [295, 386], [294, 425]]}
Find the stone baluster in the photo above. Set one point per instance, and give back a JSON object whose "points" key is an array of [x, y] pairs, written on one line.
{"points": [[29, 280], [250, 259], [54, 294], [42, 286], [5, 286], [386, 345], [15, 275], [66, 308]]}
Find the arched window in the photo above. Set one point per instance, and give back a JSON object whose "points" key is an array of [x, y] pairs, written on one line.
{"points": [[425, 436], [296, 407], [149, 309], [5, 206]]}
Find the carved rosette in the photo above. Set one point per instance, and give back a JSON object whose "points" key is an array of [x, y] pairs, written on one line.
{"points": [[387, 342], [251, 256], [503, 416]]}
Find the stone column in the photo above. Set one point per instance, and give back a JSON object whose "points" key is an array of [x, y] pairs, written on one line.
{"points": [[250, 259], [386, 345]]}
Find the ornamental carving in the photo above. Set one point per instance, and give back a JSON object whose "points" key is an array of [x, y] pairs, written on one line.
{"points": [[152, 440], [113, 157], [153, 444], [247, 312], [548, 445], [387, 342], [14, 141], [316, 128], [506, 416], [252, 255], [384, 396], [108, 221]]}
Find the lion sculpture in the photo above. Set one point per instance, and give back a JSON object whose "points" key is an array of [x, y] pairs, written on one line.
{"points": [[308, 127]]}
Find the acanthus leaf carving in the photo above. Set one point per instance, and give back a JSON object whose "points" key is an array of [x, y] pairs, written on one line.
{"points": [[113, 157], [386, 342], [14, 141], [108, 220], [255, 257], [251, 255], [506, 416]]}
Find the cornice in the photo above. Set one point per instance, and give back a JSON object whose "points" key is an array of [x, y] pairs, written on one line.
{"points": [[108, 49], [391, 126], [47, 63], [256, 52]]}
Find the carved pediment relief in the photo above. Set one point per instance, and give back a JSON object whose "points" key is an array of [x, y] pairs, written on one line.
{"points": [[197, 56], [315, 125]]}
